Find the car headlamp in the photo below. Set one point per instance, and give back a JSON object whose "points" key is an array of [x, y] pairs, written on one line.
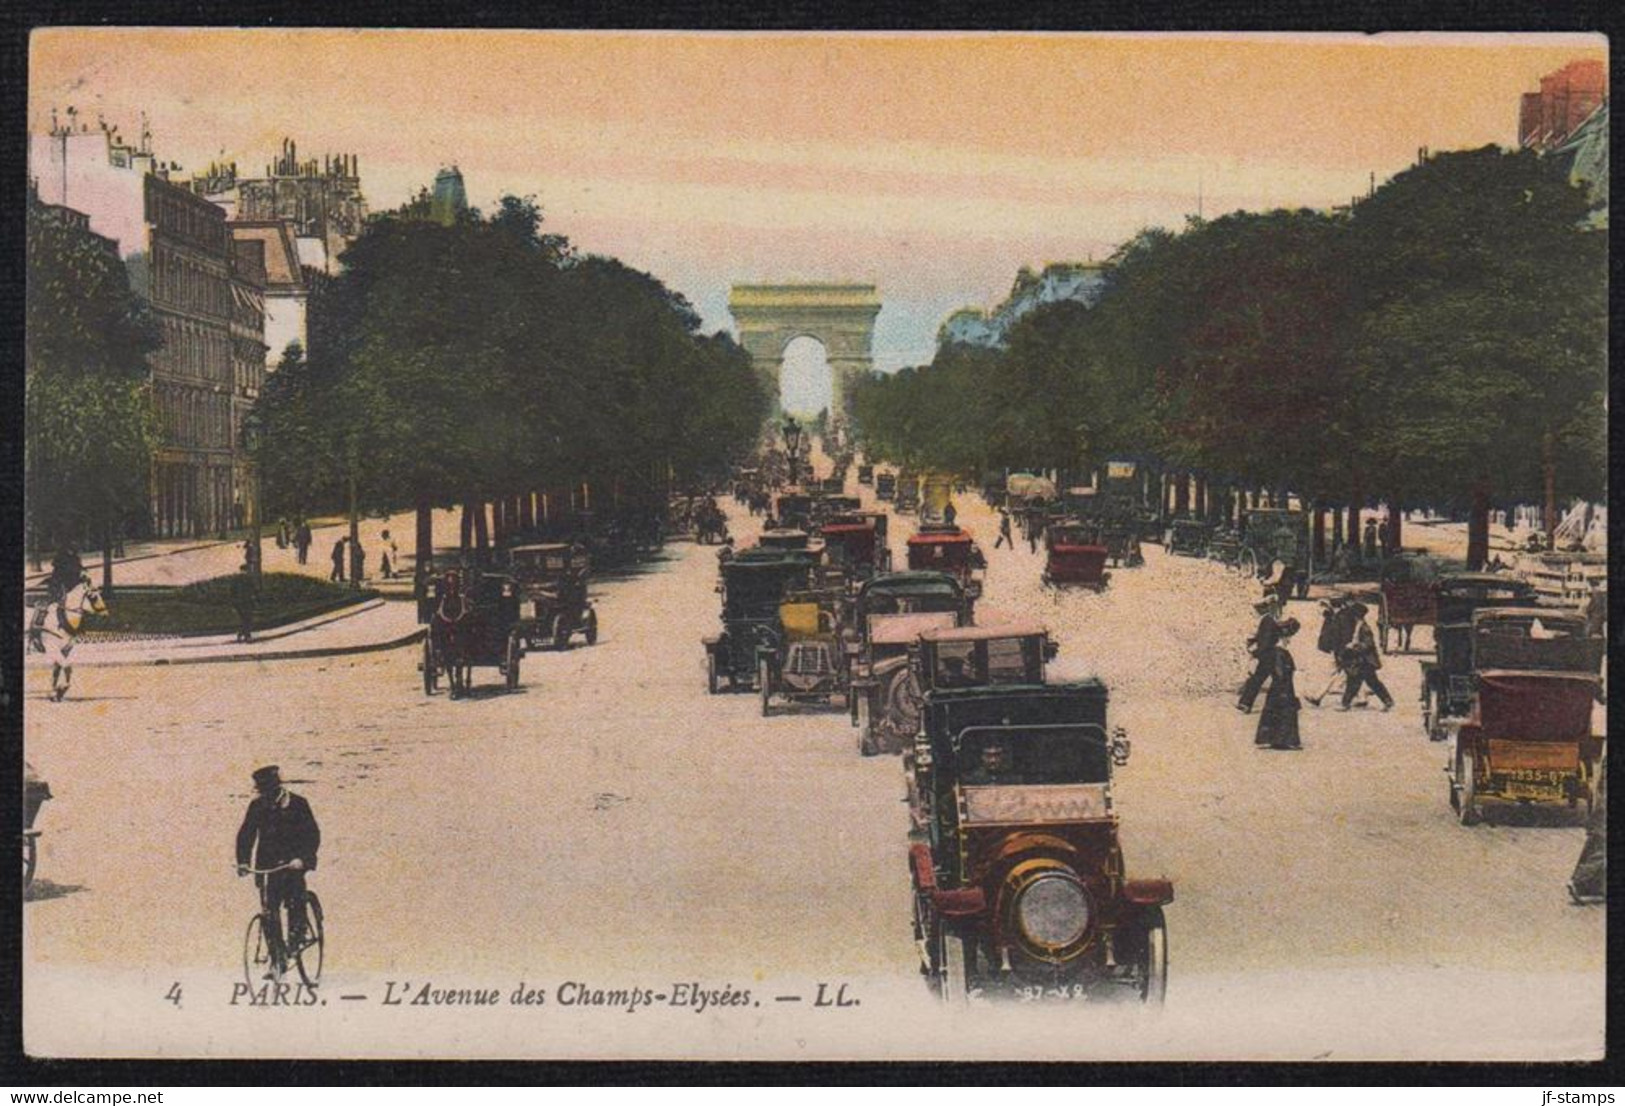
{"points": [[1053, 910]]}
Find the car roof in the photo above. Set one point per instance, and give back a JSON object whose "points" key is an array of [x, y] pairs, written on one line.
{"points": [[540, 547], [984, 633], [1550, 614], [1090, 684], [1487, 579], [910, 581], [932, 537]]}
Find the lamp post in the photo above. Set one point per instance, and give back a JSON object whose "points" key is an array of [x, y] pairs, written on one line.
{"points": [[792, 443]]}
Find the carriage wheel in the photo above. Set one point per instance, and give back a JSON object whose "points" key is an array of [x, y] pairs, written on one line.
{"points": [[1467, 788], [1154, 959], [431, 677], [764, 681], [515, 651]]}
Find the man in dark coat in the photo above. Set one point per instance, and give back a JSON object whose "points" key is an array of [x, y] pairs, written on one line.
{"points": [[279, 829], [337, 575], [1363, 661], [1262, 646], [242, 601]]}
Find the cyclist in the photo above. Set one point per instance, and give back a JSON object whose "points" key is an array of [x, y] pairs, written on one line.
{"points": [[279, 831]]}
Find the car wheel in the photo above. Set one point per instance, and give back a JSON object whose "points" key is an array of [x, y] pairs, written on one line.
{"points": [[511, 665], [1467, 788], [592, 628], [1154, 959], [711, 679], [764, 683]]}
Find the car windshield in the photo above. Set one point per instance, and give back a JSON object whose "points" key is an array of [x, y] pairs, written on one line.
{"points": [[1009, 660], [911, 602], [1016, 756]]}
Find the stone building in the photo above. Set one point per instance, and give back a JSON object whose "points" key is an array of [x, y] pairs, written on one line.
{"points": [[178, 251], [1566, 98], [320, 198], [287, 283], [248, 354]]}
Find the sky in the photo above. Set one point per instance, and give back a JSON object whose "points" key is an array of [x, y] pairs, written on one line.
{"points": [[934, 165]]}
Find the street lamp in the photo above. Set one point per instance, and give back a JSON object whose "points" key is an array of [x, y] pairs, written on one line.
{"points": [[792, 443]]}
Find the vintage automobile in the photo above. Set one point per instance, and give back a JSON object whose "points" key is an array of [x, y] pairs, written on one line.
{"points": [[753, 585], [1188, 537], [1407, 598], [785, 538], [831, 504], [1076, 553], [852, 551], [793, 510], [866, 474], [1017, 871], [887, 617], [1270, 535], [1122, 538], [802, 660], [880, 555], [553, 578], [1447, 680], [1224, 546], [1527, 739], [474, 620], [35, 792], [938, 547]]}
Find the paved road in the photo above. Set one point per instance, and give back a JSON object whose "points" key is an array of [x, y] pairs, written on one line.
{"points": [[613, 825]]}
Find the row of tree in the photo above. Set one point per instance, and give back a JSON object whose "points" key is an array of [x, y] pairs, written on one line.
{"points": [[1442, 344], [483, 362]]}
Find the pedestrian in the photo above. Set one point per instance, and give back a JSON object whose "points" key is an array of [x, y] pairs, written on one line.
{"points": [[949, 514], [1369, 539], [282, 533], [1589, 884], [251, 554], [358, 561], [1261, 646], [387, 557], [1364, 660], [1277, 583], [337, 575], [1278, 721], [242, 601], [1004, 530], [1336, 635], [1035, 529], [302, 539], [279, 831]]}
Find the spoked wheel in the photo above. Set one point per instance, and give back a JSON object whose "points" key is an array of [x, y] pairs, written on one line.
{"points": [[1154, 959], [30, 857], [308, 957], [1466, 788], [256, 953], [764, 683], [712, 680], [511, 662], [431, 676]]}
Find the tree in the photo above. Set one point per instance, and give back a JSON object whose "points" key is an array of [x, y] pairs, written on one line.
{"points": [[89, 423]]}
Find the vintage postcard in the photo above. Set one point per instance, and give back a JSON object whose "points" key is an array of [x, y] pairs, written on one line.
{"points": [[604, 545]]}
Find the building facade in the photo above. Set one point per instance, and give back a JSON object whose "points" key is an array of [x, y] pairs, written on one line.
{"points": [[287, 283], [319, 198], [1566, 98]]}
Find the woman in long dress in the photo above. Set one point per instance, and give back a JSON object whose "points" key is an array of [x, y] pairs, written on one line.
{"points": [[1278, 721]]}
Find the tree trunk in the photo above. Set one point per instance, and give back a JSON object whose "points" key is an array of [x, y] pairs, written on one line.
{"points": [[1319, 545], [527, 511], [466, 538], [1395, 528], [1478, 529], [355, 536], [1201, 498], [1548, 466], [1353, 527], [1182, 494], [107, 557], [1337, 528], [425, 536], [482, 532]]}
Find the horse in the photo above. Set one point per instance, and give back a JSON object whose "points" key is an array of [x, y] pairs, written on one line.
{"points": [[54, 630], [448, 629]]}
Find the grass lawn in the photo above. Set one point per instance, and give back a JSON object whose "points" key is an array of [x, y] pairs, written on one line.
{"points": [[206, 608]]}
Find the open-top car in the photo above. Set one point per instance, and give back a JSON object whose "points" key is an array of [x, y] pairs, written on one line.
{"points": [[1075, 554], [1527, 737], [1447, 680], [938, 547], [1018, 875], [1188, 537], [888, 616], [552, 578], [802, 662], [753, 585]]}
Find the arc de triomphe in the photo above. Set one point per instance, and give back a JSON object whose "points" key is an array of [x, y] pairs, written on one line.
{"points": [[840, 316]]}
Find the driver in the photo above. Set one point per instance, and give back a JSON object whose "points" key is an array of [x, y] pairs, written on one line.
{"points": [[952, 671], [994, 766]]}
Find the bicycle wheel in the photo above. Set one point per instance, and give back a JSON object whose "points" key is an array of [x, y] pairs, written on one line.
{"points": [[256, 953], [309, 957]]}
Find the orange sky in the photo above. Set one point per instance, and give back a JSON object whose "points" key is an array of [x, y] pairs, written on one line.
{"points": [[932, 164]]}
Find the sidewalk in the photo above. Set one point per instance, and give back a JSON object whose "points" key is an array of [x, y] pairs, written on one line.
{"points": [[377, 624]]}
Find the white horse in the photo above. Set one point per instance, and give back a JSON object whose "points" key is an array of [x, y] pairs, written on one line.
{"points": [[55, 633]]}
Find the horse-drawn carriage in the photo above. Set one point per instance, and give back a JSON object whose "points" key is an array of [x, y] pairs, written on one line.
{"points": [[1407, 597], [1526, 735], [473, 619]]}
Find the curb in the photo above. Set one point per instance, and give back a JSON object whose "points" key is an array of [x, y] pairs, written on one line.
{"points": [[275, 655]]}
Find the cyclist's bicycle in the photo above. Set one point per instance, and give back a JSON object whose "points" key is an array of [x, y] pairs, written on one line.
{"points": [[259, 955]]}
